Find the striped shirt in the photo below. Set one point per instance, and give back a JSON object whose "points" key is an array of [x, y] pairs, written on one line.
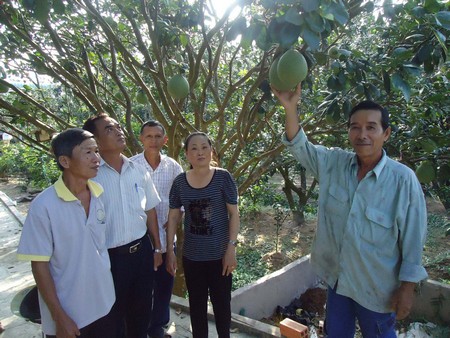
{"points": [[162, 177], [206, 221], [128, 195]]}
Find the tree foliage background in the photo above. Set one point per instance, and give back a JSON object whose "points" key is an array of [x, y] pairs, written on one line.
{"points": [[64, 60]]}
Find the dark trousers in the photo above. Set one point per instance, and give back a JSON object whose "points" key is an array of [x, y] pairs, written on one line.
{"points": [[342, 313], [102, 327], [133, 281], [202, 277], [162, 292]]}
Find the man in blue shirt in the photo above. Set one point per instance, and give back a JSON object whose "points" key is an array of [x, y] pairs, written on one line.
{"points": [[371, 223]]}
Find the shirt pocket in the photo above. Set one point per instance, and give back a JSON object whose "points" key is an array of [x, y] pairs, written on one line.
{"points": [[141, 199], [338, 201], [379, 231]]}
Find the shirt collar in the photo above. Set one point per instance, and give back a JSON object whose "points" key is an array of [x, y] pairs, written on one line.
{"points": [[66, 195], [380, 165], [126, 162], [378, 168]]}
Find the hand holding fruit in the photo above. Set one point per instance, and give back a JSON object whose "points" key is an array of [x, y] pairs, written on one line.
{"points": [[289, 98]]}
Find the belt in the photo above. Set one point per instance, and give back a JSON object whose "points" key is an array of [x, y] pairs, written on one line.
{"points": [[129, 248]]}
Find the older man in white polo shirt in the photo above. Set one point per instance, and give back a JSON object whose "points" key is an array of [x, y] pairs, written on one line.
{"points": [[64, 238]]}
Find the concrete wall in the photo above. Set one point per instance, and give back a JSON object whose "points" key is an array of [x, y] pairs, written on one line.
{"points": [[259, 299], [432, 303]]}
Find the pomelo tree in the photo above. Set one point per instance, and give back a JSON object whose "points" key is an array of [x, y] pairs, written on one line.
{"points": [[63, 60]]}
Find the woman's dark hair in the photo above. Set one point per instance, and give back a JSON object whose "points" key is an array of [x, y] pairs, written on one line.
{"points": [[63, 143], [197, 133], [370, 105]]}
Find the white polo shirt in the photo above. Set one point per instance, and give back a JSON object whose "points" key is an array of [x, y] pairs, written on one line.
{"points": [[58, 231], [162, 177], [127, 196]]}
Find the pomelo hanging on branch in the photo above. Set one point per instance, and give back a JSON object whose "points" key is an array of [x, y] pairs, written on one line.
{"points": [[333, 52], [178, 87], [288, 71]]}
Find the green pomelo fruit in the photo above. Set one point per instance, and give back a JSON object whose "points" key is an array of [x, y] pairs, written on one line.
{"points": [[292, 68], [141, 97], [178, 87], [333, 52], [428, 145], [425, 172], [3, 88], [42, 10], [274, 80]]}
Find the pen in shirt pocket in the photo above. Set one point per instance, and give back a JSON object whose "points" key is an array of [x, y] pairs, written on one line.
{"points": [[135, 186]]}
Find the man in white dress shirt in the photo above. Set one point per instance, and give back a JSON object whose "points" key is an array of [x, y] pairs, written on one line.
{"points": [[130, 199], [163, 171]]}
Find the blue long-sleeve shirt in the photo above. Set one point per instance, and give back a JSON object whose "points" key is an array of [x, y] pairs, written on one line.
{"points": [[370, 234]]}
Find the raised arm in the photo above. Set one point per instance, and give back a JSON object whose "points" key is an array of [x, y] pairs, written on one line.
{"points": [[289, 100]]}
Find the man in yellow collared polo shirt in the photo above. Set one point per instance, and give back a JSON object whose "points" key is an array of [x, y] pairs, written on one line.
{"points": [[64, 238]]}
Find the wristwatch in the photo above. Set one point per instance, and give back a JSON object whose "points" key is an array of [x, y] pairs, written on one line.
{"points": [[158, 251], [233, 242]]}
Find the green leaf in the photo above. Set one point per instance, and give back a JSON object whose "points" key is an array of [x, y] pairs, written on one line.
{"points": [[311, 38], [431, 6], [444, 172], [321, 58], [184, 39], [443, 19], [315, 22], [247, 38], [412, 69], [415, 37], [28, 4], [293, 16], [59, 7], [419, 12], [310, 5], [428, 66], [339, 12], [346, 108], [288, 35], [402, 85], [373, 90], [236, 28], [423, 54], [386, 82], [263, 41], [268, 4], [401, 53], [441, 38], [42, 10]]}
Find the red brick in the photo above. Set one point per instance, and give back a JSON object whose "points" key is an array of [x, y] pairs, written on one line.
{"points": [[292, 329]]}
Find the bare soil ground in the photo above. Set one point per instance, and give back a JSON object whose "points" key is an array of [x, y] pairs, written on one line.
{"points": [[295, 241]]}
